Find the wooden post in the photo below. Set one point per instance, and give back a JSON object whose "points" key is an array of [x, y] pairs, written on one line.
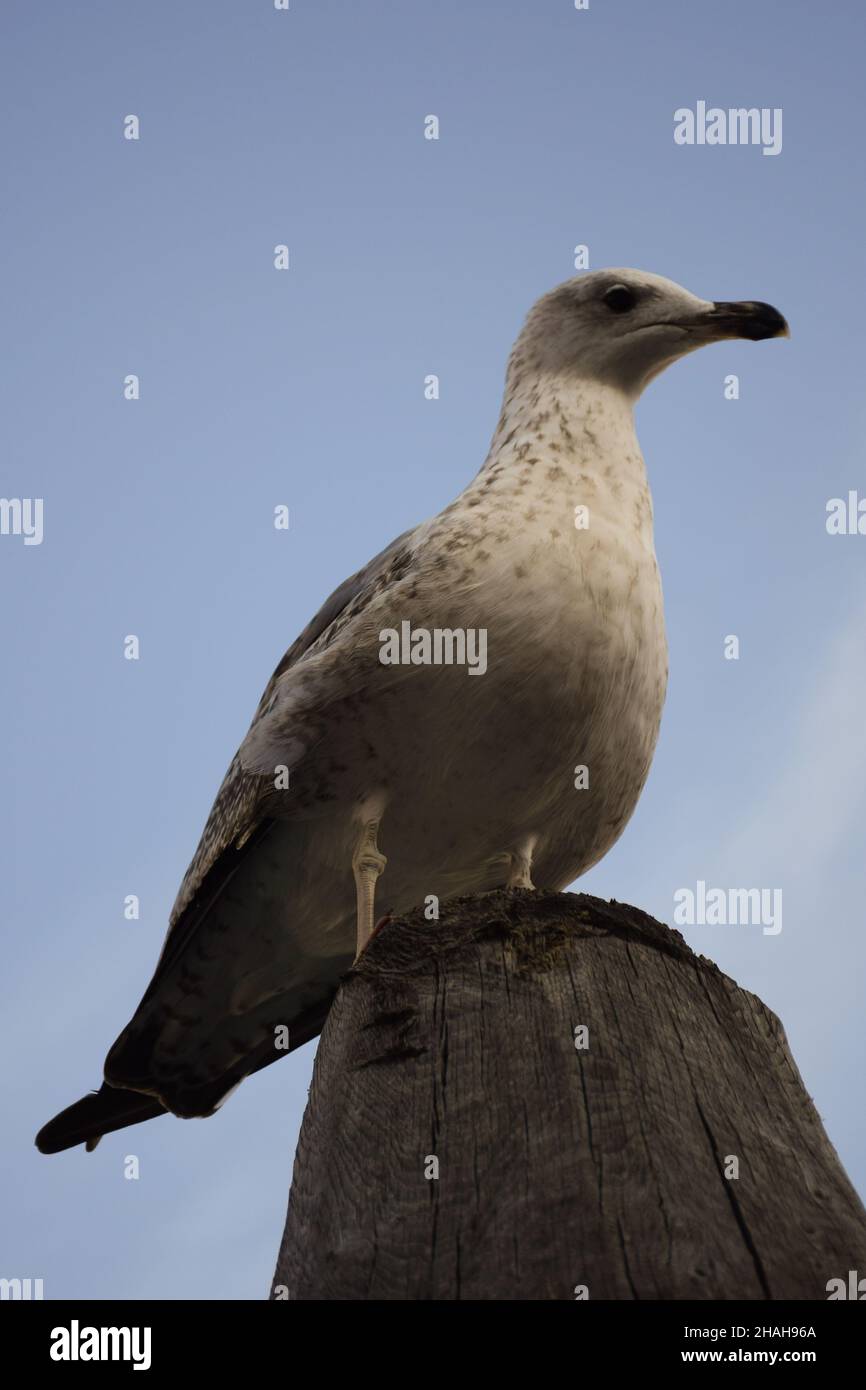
{"points": [[465, 1138]]}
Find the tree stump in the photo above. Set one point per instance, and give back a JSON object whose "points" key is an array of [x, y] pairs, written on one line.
{"points": [[548, 1096]]}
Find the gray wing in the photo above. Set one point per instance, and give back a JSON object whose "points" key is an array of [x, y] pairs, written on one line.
{"points": [[238, 810], [237, 823]]}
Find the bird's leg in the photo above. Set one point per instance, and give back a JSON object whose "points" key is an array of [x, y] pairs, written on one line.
{"points": [[367, 864], [520, 865]]}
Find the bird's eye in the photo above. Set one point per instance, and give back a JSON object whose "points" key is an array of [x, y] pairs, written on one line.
{"points": [[619, 299]]}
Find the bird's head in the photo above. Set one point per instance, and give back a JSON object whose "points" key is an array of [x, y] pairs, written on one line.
{"points": [[623, 327]]}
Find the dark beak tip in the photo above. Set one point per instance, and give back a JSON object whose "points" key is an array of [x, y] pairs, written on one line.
{"points": [[753, 319], [773, 324]]}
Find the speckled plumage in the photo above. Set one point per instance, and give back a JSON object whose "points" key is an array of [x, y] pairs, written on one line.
{"points": [[467, 773]]}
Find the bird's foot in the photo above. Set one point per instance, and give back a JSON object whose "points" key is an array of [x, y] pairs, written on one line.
{"points": [[520, 865]]}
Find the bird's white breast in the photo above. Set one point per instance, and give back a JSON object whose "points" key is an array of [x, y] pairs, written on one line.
{"points": [[551, 553]]}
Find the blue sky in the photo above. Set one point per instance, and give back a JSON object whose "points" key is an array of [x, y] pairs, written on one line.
{"points": [[408, 257]]}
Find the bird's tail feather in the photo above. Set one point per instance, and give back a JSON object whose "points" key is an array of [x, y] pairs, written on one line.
{"points": [[99, 1113], [115, 1107]]}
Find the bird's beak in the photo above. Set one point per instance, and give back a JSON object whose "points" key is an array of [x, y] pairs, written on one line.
{"points": [[747, 318]]}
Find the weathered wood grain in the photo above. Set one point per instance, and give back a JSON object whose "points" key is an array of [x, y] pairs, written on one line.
{"points": [[558, 1167]]}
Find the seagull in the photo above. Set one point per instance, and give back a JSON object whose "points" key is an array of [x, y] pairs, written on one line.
{"points": [[387, 758]]}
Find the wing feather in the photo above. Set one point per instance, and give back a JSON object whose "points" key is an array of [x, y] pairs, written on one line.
{"points": [[239, 806]]}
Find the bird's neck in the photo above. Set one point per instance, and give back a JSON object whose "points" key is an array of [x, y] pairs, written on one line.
{"points": [[565, 433]]}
